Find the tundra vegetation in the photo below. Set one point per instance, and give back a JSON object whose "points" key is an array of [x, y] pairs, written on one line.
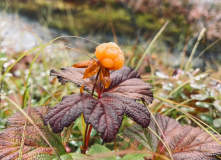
{"points": [[74, 98]]}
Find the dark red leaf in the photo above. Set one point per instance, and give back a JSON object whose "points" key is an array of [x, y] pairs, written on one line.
{"points": [[124, 82], [75, 75], [104, 114], [35, 146], [67, 111], [37, 114], [185, 142], [127, 82]]}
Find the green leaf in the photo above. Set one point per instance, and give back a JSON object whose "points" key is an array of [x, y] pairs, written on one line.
{"points": [[66, 133], [71, 156], [206, 118], [133, 157], [96, 149]]}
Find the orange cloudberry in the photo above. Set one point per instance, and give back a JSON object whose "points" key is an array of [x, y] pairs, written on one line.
{"points": [[110, 55]]}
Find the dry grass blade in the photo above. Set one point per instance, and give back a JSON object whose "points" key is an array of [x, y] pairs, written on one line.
{"points": [[42, 47], [162, 141], [74, 37], [151, 44], [195, 120], [187, 67], [166, 145], [180, 104], [48, 93], [206, 49], [214, 79], [177, 105], [186, 82], [23, 55], [111, 23], [179, 87], [24, 132]]}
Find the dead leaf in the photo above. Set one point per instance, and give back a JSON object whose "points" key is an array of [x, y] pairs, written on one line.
{"points": [[92, 69], [105, 77], [83, 64]]}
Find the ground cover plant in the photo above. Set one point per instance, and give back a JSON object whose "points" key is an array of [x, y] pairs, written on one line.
{"points": [[112, 100], [108, 91]]}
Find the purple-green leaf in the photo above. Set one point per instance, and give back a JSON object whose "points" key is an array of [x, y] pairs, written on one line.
{"points": [[185, 142], [125, 82], [128, 83], [67, 111], [104, 114], [34, 146], [75, 75]]}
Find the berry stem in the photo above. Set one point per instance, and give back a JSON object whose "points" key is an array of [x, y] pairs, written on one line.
{"points": [[92, 93], [88, 135], [88, 132], [84, 148]]}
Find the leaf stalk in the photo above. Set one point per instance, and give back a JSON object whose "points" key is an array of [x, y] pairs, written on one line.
{"points": [[88, 131]]}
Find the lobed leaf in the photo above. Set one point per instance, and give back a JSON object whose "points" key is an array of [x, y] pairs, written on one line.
{"points": [[124, 82], [128, 83], [75, 75], [37, 114], [185, 142], [34, 145], [67, 111], [104, 114]]}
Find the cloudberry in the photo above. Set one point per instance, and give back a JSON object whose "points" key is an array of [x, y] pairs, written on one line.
{"points": [[110, 55]]}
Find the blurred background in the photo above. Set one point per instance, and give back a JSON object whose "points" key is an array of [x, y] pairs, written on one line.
{"points": [[129, 23], [189, 31]]}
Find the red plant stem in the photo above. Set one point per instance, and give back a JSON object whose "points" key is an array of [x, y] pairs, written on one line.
{"points": [[84, 148], [88, 132], [88, 135]]}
